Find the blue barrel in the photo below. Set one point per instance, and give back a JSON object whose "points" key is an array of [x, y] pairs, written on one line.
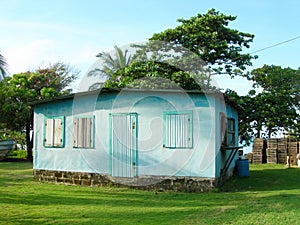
{"points": [[243, 168]]}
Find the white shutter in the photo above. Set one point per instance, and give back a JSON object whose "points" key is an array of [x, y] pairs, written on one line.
{"points": [[82, 132], [58, 132], [75, 132], [87, 132], [49, 135], [178, 131]]}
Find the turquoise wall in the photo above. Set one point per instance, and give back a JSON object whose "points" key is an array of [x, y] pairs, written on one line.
{"points": [[222, 156], [202, 160]]}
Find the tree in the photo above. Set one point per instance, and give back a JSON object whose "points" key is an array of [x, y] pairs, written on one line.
{"points": [[18, 91], [203, 39], [281, 88], [275, 107], [111, 64], [151, 75], [3, 67], [209, 37]]}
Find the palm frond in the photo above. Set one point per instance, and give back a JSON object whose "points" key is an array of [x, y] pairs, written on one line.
{"points": [[3, 67], [116, 61]]}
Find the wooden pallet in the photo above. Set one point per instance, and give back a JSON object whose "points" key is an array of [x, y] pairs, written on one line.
{"points": [[256, 159], [272, 155], [281, 156], [272, 143]]}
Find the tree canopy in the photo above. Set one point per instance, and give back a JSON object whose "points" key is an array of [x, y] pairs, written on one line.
{"points": [[273, 104], [210, 37], [18, 91], [188, 55]]}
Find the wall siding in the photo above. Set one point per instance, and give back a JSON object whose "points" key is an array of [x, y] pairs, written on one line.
{"points": [[152, 157]]}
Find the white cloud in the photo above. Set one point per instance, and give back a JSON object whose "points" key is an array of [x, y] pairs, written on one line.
{"points": [[21, 58], [28, 56]]}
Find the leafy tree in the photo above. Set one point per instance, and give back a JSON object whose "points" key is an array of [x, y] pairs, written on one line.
{"points": [[3, 67], [275, 107], [20, 90], [209, 37], [151, 75], [203, 39], [281, 86], [250, 118]]}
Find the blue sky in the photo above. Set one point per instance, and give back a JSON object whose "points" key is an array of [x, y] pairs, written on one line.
{"points": [[74, 31]]}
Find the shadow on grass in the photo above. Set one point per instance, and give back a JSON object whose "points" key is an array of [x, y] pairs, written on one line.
{"points": [[264, 178], [243, 201], [77, 205]]}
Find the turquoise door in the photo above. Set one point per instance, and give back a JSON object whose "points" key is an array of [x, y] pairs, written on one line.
{"points": [[123, 143]]}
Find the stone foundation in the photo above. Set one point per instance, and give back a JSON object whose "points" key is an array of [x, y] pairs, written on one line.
{"points": [[155, 183]]}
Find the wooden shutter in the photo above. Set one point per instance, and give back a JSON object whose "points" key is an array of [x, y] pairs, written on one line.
{"points": [[223, 130], [49, 132], [53, 136], [82, 132], [75, 132], [58, 132], [87, 126]]}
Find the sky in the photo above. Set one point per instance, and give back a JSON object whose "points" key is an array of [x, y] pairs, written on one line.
{"points": [[36, 32]]}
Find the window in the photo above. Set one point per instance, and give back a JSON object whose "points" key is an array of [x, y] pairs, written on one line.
{"points": [[83, 132], [54, 132], [178, 130], [230, 132]]}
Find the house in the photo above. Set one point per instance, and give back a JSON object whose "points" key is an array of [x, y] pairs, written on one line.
{"points": [[152, 139]]}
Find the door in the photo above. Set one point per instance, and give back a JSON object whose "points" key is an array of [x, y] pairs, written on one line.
{"points": [[123, 143]]}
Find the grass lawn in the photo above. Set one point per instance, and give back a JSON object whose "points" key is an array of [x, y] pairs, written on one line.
{"points": [[271, 195]]}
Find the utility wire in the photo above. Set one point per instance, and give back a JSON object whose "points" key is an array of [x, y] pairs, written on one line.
{"points": [[272, 46]]}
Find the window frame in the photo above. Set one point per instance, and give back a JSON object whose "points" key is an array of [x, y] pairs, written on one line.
{"points": [[62, 118], [190, 129], [92, 133], [231, 133]]}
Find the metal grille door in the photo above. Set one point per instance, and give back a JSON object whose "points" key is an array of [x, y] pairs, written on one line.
{"points": [[123, 145]]}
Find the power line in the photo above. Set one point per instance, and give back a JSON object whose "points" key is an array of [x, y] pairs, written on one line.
{"points": [[272, 46]]}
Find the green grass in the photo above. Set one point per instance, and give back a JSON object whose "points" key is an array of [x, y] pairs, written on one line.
{"points": [[271, 195], [17, 154]]}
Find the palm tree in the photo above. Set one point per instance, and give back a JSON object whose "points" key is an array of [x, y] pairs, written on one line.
{"points": [[3, 67], [114, 63]]}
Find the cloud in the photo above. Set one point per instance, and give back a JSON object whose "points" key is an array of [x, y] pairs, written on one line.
{"points": [[28, 56], [21, 58]]}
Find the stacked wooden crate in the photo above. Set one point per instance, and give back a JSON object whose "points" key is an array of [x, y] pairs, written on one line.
{"points": [[249, 156], [293, 151], [276, 150], [258, 145], [282, 151], [272, 150]]}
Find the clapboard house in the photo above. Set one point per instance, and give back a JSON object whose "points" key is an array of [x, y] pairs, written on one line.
{"points": [[162, 139]]}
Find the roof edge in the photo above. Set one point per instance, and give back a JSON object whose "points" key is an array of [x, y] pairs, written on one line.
{"points": [[112, 90]]}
